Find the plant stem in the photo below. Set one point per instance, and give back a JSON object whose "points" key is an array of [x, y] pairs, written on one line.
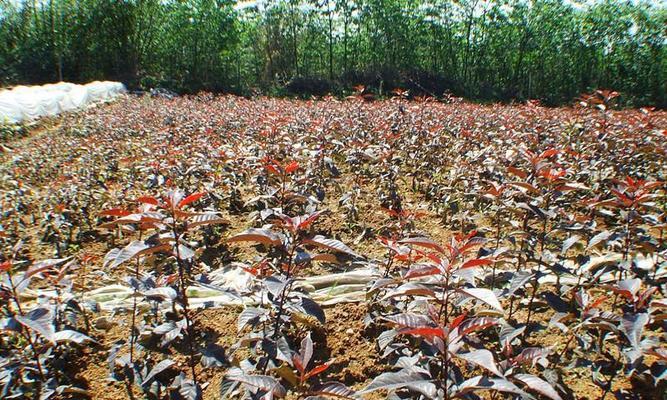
{"points": [[27, 335], [493, 275], [283, 294], [519, 264], [133, 335], [189, 325], [444, 309], [539, 267]]}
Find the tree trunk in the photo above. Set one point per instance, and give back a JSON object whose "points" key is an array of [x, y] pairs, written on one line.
{"points": [[330, 40]]}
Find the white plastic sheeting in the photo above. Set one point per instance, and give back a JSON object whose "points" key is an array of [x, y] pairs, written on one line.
{"points": [[27, 103], [326, 290]]}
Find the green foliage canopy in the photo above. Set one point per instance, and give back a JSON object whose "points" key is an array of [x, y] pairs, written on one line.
{"points": [[551, 50]]}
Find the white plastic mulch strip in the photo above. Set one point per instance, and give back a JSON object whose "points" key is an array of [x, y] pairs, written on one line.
{"points": [[27, 103], [327, 290]]}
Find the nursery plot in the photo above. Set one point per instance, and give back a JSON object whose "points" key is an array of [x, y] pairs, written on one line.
{"points": [[223, 247]]}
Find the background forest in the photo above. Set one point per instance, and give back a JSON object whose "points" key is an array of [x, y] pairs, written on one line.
{"points": [[551, 50]]}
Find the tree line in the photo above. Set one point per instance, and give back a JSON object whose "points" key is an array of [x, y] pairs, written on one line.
{"points": [[552, 50]]}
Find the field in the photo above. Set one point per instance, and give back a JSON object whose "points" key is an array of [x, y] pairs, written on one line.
{"points": [[223, 247]]}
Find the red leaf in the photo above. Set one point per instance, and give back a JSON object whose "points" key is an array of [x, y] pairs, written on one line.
{"points": [[6, 266], [525, 186], [597, 302], [291, 167], [443, 262], [311, 218], [475, 324], [297, 363], [515, 171], [264, 236], [148, 200], [419, 270], [392, 213], [470, 245], [457, 321], [252, 271], [549, 153], [115, 212], [423, 242], [653, 185], [643, 298], [272, 169], [317, 370], [425, 332], [476, 263], [190, 199]]}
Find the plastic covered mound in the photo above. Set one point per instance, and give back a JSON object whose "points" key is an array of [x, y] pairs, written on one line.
{"points": [[27, 103]]}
